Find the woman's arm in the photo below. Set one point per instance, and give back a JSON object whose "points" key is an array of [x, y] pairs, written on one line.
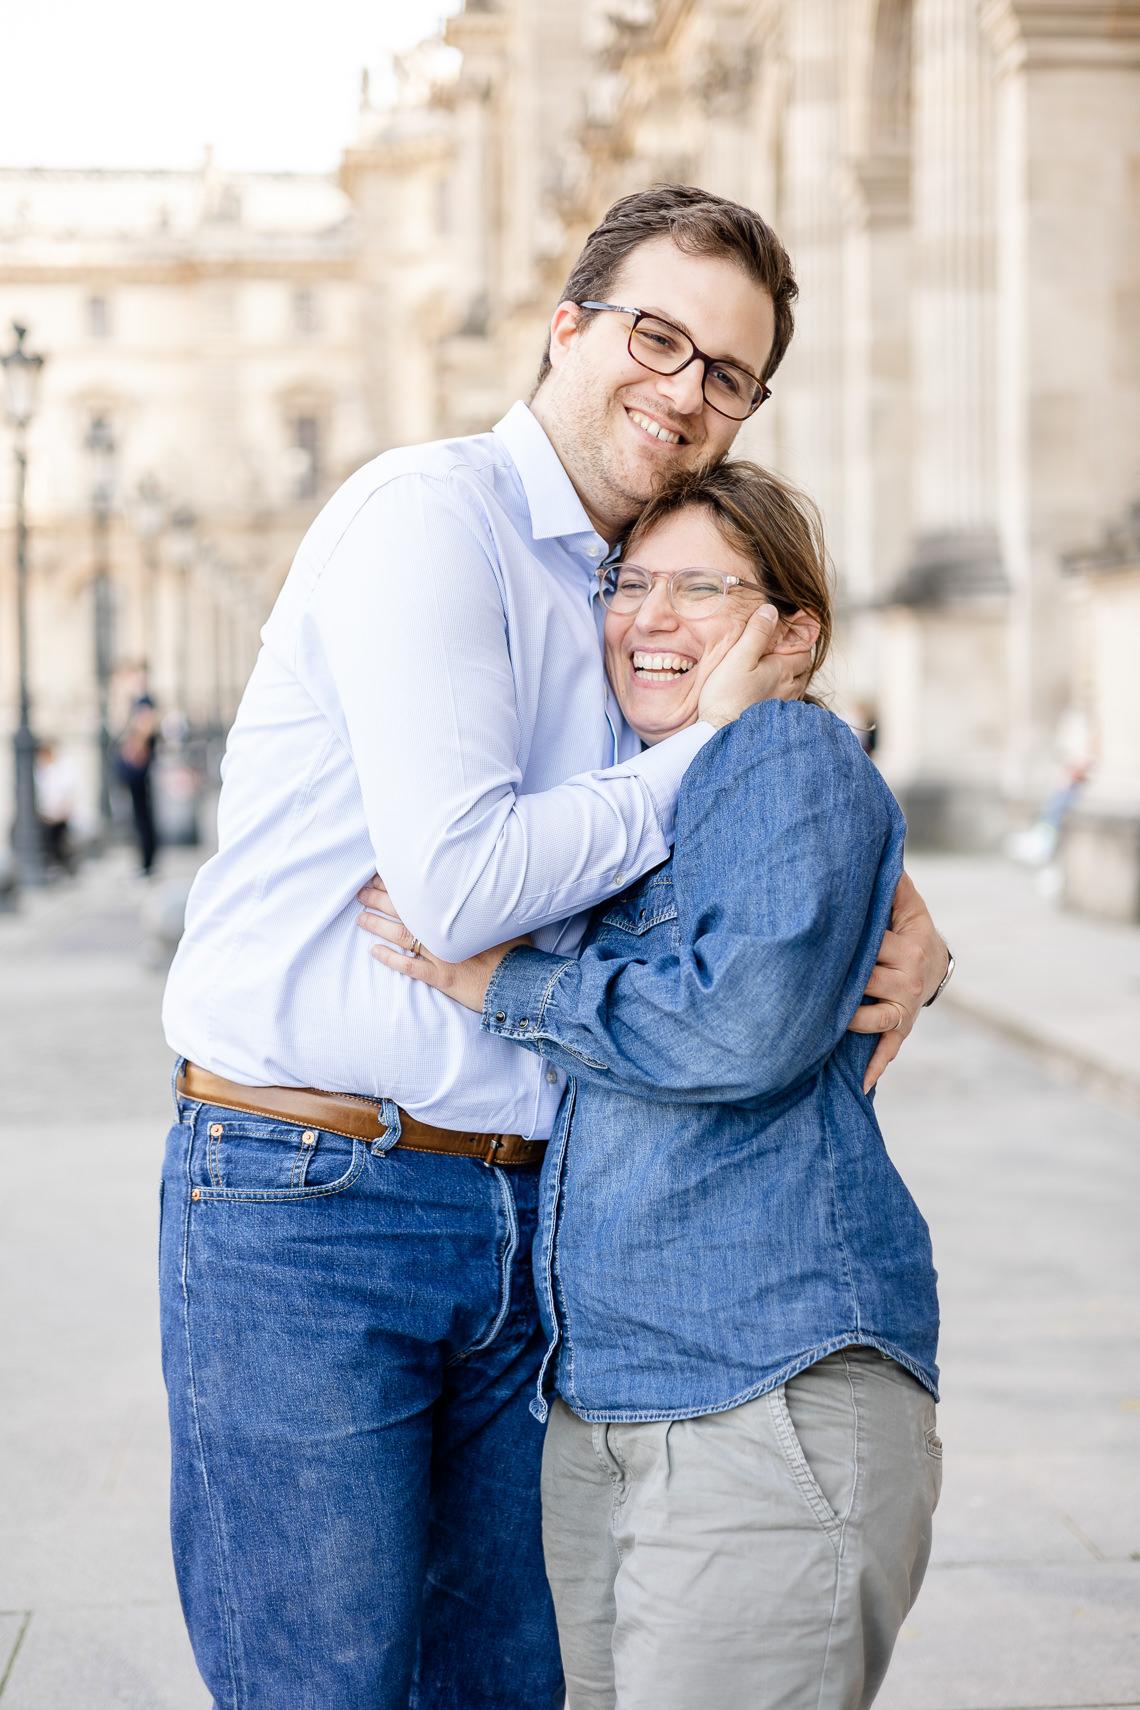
{"points": [[788, 849]]}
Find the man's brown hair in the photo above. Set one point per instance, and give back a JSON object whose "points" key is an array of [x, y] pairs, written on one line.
{"points": [[766, 520], [699, 223]]}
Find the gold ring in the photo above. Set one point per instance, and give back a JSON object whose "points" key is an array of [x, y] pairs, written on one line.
{"points": [[416, 947], [899, 1022]]}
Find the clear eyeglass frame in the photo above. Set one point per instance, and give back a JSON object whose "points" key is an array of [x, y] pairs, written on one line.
{"points": [[683, 587]]}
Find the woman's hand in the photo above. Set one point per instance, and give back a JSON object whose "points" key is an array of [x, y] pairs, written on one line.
{"points": [[465, 982]]}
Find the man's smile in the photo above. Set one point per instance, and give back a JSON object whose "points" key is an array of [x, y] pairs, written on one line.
{"points": [[652, 427]]}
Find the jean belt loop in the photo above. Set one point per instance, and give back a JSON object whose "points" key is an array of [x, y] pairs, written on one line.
{"points": [[179, 1065], [389, 1121]]}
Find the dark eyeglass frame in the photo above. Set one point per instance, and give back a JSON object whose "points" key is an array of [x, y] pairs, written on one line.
{"points": [[697, 355]]}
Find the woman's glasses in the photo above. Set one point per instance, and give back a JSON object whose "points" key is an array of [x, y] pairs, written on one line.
{"points": [[693, 593]]}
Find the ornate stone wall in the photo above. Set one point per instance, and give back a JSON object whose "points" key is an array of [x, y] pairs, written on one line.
{"points": [[956, 180]]}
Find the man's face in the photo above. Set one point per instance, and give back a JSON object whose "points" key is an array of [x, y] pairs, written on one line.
{"points": [[618, 427]]}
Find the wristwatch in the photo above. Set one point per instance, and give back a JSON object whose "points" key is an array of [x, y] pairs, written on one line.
{"points": [[945, 980]]}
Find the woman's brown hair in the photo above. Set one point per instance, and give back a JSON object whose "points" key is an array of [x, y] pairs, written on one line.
{"points": [[768, 521]]}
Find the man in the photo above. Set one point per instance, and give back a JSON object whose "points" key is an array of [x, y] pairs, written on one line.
{"points": [[349, 1328]]}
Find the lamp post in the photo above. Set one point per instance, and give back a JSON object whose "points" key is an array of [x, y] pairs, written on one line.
{"points": [[151, 515], [183, 549], [22, 371], [100, 444]]}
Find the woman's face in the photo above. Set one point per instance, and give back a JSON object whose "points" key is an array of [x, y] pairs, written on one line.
{"points": [[658, 662]]}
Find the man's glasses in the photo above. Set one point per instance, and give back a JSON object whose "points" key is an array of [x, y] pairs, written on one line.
{"points": [[694, 593], [661, 347]]}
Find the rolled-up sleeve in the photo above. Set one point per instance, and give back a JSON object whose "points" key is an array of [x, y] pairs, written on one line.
{"points": [[404, 641]]}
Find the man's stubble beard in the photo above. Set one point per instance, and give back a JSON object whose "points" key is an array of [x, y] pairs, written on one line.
{"points": [[590, 459]]}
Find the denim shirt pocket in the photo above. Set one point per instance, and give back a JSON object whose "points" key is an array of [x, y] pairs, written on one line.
{"points": [[649, 904]]}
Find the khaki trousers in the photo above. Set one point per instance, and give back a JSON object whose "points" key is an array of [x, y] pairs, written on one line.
{"points": [[759, 1559]]}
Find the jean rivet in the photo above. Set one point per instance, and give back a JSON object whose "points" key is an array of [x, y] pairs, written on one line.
{"points": [[499, 1016], [215, 1130], [309, 1137], [196, 1193]]}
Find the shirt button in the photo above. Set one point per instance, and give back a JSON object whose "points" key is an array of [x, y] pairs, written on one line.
{"points": [[592, 551], [552, 1076], [619, 878], [499, 1015], [523, 1024]]}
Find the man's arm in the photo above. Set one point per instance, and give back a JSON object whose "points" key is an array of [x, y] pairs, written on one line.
{"points": [[404, 644], [788, 850]]}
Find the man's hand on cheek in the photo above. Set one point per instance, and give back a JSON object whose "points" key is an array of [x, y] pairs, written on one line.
{"points": [[754, 668], [911, 965]]}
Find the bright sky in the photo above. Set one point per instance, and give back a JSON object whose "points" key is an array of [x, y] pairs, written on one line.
{"points": [[151, 82]]}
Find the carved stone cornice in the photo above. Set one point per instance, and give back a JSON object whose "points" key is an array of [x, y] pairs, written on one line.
{"points": [[112, 269], [1062, 34]]}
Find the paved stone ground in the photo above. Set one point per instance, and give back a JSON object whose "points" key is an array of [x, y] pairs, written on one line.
{"points": [[1030, 1186]]}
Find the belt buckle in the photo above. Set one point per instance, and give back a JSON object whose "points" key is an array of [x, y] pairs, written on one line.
{"points": [[493, 1143]]}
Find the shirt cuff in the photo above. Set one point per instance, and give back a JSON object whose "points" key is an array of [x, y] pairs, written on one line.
{"points": [[519, 991], [662, 767]]}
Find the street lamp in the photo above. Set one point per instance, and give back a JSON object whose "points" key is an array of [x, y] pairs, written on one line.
{"points": [[100, 445], [22, 370], [183, 549], [151, 515]]}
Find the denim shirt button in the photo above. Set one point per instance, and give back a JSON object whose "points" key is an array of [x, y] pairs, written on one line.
{"points": [[552, 1075], [523, 1024], [499, 1016]]}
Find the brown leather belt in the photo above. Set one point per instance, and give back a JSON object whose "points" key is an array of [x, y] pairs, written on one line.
{"points": [[358, 1118]]}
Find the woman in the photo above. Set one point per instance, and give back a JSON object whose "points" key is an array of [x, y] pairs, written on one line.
{"points": [[742, 1463]]}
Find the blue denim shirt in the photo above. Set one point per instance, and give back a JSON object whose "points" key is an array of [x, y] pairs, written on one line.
{"points": [[719, 1210]]}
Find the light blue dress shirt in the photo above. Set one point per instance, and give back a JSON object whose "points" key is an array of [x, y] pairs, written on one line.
{"points": [[429, 702]]}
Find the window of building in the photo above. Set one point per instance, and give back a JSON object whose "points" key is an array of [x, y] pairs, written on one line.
{"points": [[306, 320], [98, 317]]}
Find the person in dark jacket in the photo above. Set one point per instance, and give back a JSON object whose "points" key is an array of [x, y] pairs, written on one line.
{"points": [[134, 760]]}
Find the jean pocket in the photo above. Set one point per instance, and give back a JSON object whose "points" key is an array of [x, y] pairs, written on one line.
{"points": [[270, 1162], [799, 1466]]}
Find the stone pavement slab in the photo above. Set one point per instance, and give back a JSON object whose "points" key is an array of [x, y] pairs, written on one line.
{"points": [[106, 1657], [1020, 1635], [1061, 984], [1032, 1599]]}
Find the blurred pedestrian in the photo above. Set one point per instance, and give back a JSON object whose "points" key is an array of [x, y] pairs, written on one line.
{"points": [[134, 759], [865, 725], [55, 804]]}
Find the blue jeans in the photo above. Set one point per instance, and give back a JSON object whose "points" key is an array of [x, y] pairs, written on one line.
{"points": [[350, 1343]]}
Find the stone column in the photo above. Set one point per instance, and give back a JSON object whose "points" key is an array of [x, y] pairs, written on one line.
{"points": [[955, 296], [809, 385], [1069, 371], [942, 715], [877, 436]]}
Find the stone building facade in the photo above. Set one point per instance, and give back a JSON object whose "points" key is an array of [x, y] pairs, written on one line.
{"points": [[210, 322], [957, 183]]}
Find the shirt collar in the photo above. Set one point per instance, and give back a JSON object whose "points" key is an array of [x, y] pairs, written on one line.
{"points": [[556, 511]]}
